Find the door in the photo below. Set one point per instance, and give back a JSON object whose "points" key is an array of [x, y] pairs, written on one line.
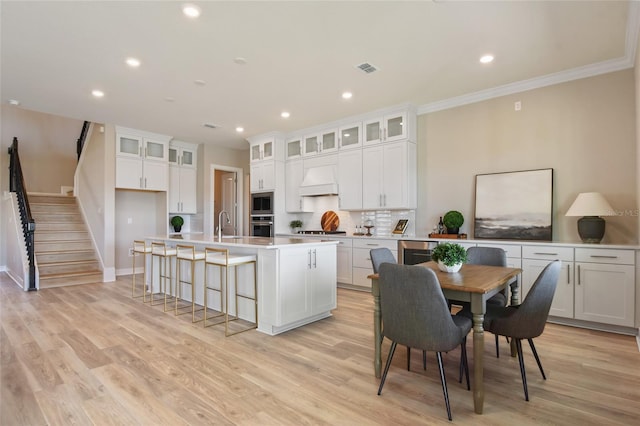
{"points": [[229, 204]]}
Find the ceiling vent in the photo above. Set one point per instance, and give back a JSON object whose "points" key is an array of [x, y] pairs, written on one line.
{"points": [[211, 125], [367, 67]]}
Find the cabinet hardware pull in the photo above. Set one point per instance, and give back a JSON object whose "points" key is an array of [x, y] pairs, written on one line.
{"points": [[371, 244], [578, 274], [603, 256], [309, 259], [568, 275], [145, 182], [315, 259], [546, 254]]}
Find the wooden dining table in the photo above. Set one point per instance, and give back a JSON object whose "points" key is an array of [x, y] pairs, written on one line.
{"points": [[474, 284]]}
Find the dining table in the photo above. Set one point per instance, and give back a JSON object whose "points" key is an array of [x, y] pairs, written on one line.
{"points": [[474, 284]]}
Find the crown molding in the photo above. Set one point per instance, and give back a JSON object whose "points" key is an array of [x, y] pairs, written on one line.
{"points": [[618, 64]]}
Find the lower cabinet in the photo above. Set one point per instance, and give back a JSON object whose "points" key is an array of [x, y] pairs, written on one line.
{"points": [[362, 261], [345, 263]]}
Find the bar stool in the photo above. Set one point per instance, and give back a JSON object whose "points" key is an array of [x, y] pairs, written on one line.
{"points": [[164, 255], [189, 254], [222, 259], [140, 247]]}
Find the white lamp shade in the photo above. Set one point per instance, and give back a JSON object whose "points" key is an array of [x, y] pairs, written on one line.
{"points": [[590, 204]]}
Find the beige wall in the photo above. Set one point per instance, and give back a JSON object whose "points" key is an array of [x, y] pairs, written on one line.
{"points": [[583, 129], [41, 137]]}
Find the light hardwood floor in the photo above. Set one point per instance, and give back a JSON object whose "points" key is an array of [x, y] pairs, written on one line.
{"points": [[92, 355]]}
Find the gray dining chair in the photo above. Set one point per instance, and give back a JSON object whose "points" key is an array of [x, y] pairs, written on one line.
{"points": [[379, 256], [415, 313], [527, 320]]}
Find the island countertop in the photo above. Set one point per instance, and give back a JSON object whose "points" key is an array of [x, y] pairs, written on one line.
{"points": [[244, 241]]}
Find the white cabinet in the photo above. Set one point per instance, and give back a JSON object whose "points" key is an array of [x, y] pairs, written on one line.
{"points": [[263, 149], [605, 286], [350, 180], [294, 202], [362, 261], [350, 136], [323, 142], [307, 283], [263, 176], [389, 128], [182, 177], [344, 260], [141, 160], [389, 176], [534, 260], [294, 148]]}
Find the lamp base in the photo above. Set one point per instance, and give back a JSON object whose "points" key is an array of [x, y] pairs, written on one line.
{"points": [[591, 229]]}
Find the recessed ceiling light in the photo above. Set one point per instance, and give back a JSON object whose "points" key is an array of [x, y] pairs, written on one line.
{"points": [[133, 62], [347, 95], [199, 82], [14, 102], [285, 114], [486, 59], [192, 11], [97, 93], [239, 129], [240, 60]]}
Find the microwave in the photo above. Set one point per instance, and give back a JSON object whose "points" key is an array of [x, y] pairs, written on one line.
{"points": [[262, 203]]}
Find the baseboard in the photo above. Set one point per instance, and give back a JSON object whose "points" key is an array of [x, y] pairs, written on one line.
{"points": [[631, 331]]}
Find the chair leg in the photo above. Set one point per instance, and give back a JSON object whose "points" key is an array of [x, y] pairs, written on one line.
{"points": [[497, 348], [464, 361], [387, 365], [535, 354], [424, 360], [408, 358], [443, 380], [522, 371]]}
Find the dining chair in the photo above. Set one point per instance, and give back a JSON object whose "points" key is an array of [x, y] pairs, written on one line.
{"points": [[527, 320], [415, 313], [379, 256]]}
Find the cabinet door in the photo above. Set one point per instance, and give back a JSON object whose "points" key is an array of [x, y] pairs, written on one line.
{"points": [[350, 136], [350, 180], [372, 131], [322, 279], [268, 175], [155, 176], [268, 149], [605, 293], [129, 173], [329, 141], [395, 127], [563, 299], [255, 177], [294, 292], [394, 176], [294, 148], [344, 263], [188, 182], [188, 158], [129, 146], [256, 152], [372, 176], [174, 188], [155, 151], [311, 145]]}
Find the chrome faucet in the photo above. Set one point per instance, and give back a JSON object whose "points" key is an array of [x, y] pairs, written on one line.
{"points": [[220, 223]]}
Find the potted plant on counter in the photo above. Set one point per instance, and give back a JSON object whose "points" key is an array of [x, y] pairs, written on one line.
{"points": [[177, 222], [450, 256], [453, 220], [296, 226]]}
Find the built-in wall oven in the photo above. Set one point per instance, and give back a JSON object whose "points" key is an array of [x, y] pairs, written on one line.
{"points": [[262, 226], [412, 252], [262, 204]]}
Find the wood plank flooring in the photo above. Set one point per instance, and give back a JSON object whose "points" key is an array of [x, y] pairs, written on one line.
{"points": [[91, 354]]}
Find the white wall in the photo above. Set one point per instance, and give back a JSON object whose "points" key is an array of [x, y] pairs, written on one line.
{"points": [[583, 129]]}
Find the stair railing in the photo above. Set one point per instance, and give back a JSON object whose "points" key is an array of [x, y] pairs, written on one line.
{"points": [[16, 184], [82, 138]]}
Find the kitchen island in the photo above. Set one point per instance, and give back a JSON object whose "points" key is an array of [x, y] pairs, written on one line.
{"points": [[296, 277]]}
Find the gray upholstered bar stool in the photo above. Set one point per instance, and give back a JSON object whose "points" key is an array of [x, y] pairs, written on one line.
{"points": [[164, 255], [224, 260], [140, 248], [189, 254]]}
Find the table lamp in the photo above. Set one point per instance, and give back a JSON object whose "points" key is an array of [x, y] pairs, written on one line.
{"points": [[590, 205]]}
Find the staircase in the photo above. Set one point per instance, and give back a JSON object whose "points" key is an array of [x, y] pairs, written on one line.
{"points": [[63, 248]]}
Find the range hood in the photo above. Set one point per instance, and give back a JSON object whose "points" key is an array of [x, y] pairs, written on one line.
{"points": [[319, 181]]}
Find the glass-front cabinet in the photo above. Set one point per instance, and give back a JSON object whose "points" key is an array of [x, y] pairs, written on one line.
{"points": [[294, 148], [263, 150], [388, 128], [351, 136]]}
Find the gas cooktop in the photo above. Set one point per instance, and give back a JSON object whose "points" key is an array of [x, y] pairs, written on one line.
{"points": [[321, 232]]}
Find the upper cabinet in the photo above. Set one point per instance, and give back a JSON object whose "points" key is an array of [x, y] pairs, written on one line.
{"points": [[182, 177], [141, 160], [389, 176], [350, 136], [388, 128], [263, 149], [294, 148], [323, 142], [183, 154]]}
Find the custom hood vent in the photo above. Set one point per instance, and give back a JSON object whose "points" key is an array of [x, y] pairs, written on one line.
{"points": [[319, 181]]}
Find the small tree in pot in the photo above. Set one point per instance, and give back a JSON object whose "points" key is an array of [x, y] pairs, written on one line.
{"points": [[177, 222], [453, 220], [450, 256]]}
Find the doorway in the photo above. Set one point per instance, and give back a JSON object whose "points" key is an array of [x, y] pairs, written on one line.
{"points": [[227, 195]]}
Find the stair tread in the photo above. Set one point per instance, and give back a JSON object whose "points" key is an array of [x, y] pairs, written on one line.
{"points": [[71, 274]]}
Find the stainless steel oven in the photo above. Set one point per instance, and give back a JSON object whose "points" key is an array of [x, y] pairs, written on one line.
{"points": [[262, 226], [413, 252], [262, 204]]}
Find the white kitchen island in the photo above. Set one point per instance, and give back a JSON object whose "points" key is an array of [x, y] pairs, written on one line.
{"points": [[297, 281]]}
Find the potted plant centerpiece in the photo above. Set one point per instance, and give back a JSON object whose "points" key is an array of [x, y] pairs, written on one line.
{"points": [[295, 225], [453, 220], [450, 256], [177, 222]]}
